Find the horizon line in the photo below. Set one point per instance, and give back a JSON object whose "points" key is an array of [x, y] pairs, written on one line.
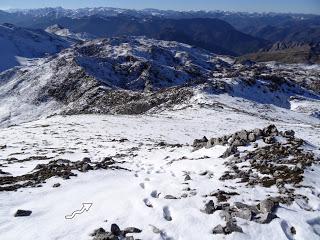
{"points": [[158, 9]]}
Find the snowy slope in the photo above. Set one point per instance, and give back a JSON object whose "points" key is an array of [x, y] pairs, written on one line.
{"points": [[17, 44], [134, 75], [120, 196], [138, 166]]}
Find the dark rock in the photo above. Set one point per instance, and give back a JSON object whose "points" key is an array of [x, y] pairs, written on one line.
{"points": [[264, 218], [293, 231], [187, 178], [269, 140], [115, 229], [170, 197], [56, 185], [230, 151], [198, 143], [98, 231], [288, 134], [23, 213], [209, 207], [86, 160], [271, 130], [132, 230], [231, 227], [219, 229]]}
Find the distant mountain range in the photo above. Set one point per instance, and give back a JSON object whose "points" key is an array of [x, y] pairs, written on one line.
{"points": [[204, 30], [227, 33]]}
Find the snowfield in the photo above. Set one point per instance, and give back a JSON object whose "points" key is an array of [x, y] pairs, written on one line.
{"points": [[145, 145], [137, 138]]}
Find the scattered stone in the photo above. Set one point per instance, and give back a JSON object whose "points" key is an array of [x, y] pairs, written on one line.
{"points": [[86, 167], [115, 229], [132, 230], [98, 231], [187, 178], [219, 229], [231, 227], [56, 185], [23, 213], [208, 208], [244, 214], [264, 218], [269, 140], [288, 134], [230, 151], [267, 206], [293, 231], [170, 197]]}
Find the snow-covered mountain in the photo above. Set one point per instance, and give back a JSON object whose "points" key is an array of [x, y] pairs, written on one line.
{"points": [[18, 44], [133, 75], [66, 33]]}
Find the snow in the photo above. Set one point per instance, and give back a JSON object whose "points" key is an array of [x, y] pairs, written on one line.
{"points": [[17, 43], [117, 195]]}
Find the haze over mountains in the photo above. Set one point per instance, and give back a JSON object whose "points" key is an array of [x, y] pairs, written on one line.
{"points": [[233, 34]]}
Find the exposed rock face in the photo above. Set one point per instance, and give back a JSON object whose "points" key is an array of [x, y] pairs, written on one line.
{"points": [[287, 52]]}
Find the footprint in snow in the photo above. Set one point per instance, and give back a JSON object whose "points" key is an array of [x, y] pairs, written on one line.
{"points": [[167, 213], [142, 185], [155, 194], [147, 203], [287, 229], [315, 225]]}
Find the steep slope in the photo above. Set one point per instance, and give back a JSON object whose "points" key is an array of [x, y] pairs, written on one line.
{"points": [[134, 75], [287, 52], [17, 43]]}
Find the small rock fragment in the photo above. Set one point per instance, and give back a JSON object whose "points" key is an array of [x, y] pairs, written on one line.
{"points": [[56, 185]]}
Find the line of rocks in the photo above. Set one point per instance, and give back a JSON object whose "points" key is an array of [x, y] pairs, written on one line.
{"points": [[240, 138], [115, 233], [57, 168], [262, 213]]}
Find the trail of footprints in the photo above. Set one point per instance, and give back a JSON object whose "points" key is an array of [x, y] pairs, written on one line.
{"points": [[155, 194]]}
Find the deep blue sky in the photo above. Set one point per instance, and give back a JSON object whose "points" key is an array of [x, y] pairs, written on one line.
{"points": [[300, 6]]}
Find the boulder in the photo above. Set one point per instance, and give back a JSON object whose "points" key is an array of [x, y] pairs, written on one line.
{"points": [[267, 206], [115, 230], [209, 207], [231, 227], [219, 229]]}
